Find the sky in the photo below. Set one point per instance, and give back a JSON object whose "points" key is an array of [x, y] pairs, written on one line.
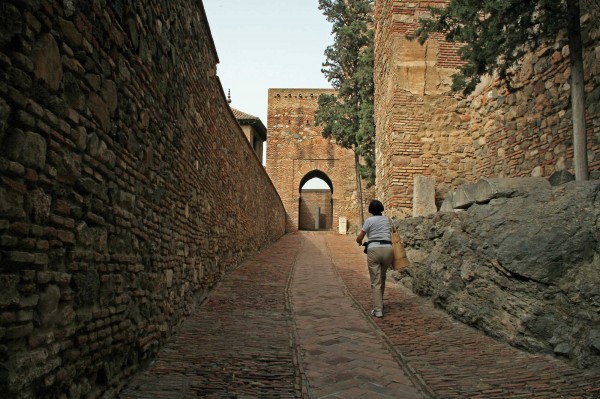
{"points": [[264, 44]]}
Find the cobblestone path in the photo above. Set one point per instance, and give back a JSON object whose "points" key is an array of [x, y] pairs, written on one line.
{"points": [[292, 323], [454, 360]]}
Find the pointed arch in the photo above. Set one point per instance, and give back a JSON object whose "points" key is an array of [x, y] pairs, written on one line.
{"points": [[315, 206], [316, 174]]}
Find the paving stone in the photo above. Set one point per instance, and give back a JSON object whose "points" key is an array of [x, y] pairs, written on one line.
{"points": [[293, 323]]}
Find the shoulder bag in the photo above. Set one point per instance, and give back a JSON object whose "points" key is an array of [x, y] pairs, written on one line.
{"points": [[400, 259]]}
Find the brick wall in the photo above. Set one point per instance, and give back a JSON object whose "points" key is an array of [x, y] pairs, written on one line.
{"points": [[127, 188], [423, 128], [416, 135], [310, 199], [297, 150]]}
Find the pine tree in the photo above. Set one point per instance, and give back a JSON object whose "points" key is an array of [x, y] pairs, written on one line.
{"points": [[347, 116], [496, 34]]}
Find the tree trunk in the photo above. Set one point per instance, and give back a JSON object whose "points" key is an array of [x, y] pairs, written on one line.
{"points": [[359, 189], [577, 91]]}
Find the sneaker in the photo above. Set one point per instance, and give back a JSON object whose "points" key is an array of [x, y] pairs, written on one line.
{"points": [[376, 313]]}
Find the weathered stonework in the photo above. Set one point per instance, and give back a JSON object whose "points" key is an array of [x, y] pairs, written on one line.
{"points": [[520, 268], [424, 129], [416, 135], [127, 188], [297, 151]]}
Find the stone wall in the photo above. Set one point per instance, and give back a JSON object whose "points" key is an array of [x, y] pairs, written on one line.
{"points": [[310, 199], [424, 129], [528, 132], [296, 151], [128, 188]]}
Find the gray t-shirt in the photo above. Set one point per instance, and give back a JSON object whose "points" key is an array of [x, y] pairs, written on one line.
{"points": [[377, 228]]}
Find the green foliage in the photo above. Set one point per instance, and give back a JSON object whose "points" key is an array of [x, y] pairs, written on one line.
{"points": [[495, 34], [347, 117]]}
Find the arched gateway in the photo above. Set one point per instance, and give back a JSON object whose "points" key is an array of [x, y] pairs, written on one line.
{"points": [[316, 204], [297, 152]]}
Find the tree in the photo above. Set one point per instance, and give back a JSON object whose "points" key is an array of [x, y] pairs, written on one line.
{"points": [[496, 34], [347, 116]]}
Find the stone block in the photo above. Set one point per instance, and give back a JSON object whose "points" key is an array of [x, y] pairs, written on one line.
{"points": [[11, 203], [343, 225], [87, 287], [11, 22], [47, 61], [48, 306], [19, 331], [8, 317], [29, 302], [560, 177], [21, 257], [70, 33], [169, 277], [39, 205], [424, 196], [9, 293], [99, 110], [448, 204], [488, 189], [465, 196], [34, 154], [24, 315]]}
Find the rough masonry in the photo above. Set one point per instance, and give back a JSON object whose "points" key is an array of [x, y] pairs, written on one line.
{"points": [[424, 129], [127, 188]]}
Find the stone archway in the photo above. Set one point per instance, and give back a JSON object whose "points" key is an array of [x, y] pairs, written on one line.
{"points": [[315, 207], [296, 151]]}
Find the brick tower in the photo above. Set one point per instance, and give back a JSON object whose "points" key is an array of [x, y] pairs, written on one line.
{"points": [[297, 152]]}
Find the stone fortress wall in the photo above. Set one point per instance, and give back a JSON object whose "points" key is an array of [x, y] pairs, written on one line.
{"points": [[127, 188], [424, 129]]}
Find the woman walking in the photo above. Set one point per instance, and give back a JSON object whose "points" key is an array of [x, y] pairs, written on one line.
{"points": [[379, 252]]}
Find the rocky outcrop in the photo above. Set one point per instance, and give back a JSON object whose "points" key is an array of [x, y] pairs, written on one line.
{"points": [[524, 267]]}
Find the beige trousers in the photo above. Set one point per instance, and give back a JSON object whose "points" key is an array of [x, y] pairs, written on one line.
{"points": [[378, 260]]}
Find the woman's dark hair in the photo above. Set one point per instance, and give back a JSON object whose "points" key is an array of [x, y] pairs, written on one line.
{"points": [[375, 208]]}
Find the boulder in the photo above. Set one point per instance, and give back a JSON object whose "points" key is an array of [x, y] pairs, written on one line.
{"points": [[488, 189]]}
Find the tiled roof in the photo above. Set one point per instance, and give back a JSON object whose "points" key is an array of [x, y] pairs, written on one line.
{"points": [[242, 115], [254, 121]]}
